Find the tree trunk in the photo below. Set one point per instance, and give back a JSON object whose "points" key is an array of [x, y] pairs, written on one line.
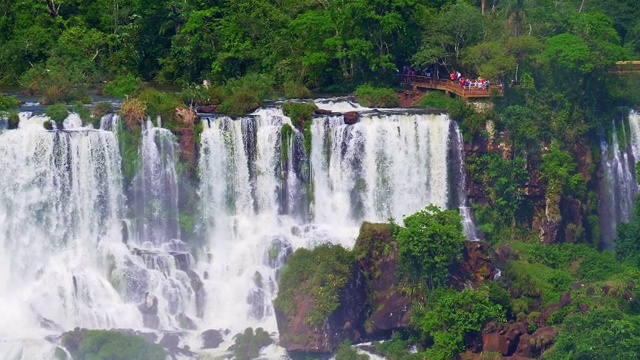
{"points": [[484, 5]]}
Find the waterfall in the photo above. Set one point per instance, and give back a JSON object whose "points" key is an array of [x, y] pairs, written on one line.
{"points": [[618, 187], [79, 250], [63, 262], [155, 189], [60, 201], [253, 185]]}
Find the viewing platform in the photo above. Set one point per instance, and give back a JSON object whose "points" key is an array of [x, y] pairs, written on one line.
{"points": [[623, 67], [449, 87]]}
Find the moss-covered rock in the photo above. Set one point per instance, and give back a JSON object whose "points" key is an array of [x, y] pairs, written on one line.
{"points": [[85, 344], [57, 112], [249, 344]]}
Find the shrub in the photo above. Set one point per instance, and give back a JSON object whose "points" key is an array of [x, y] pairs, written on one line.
{"points": [[159, 103], [134, 112], [110, 345], [346, 352], [195, 94], [122, 86], [83, 112], [295, 90], [599, 334], [240, 103], [14, 120], [430, 241], [48, 125], [57, 112], [437, 100], [396, 349], [8, 103], [58, 80], [370, 96], [301, 114], [248, 344], [320, 272], [451, 316]]}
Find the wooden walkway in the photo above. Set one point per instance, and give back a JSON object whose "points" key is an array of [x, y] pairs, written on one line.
{"points": [[449, 87], [624, 67]]}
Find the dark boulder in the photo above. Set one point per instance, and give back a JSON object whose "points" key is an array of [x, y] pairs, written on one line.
{"points": [[532, 346], [211, 339], [351, 117], [149, 310], [503, 339]]}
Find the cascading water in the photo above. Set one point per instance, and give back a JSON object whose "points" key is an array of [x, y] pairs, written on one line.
{"points": [[65, 262], [155, 189], [60, 202], [254, 179], [618, 187]]}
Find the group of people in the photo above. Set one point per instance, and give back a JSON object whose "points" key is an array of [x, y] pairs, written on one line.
{"points": [[455, 76], [480, 83]]}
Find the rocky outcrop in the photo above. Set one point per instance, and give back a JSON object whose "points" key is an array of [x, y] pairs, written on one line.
{"points": [[211, 339], [475, 266], [378, 258], [298, 335], [504, 339], [374, 289], [532, 346], [351, 117], [186, 135], [514, 341]]}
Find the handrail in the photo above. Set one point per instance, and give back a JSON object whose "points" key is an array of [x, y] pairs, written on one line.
{"points": [[448, 85]]}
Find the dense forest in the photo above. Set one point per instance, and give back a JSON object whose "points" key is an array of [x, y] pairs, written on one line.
{"points": [[533, 172]]}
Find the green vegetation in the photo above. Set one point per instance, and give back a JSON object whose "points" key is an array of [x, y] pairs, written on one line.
{"points": [[452, 315], [599, 334], [249, 344], [244, 95], [57, 112], [346, 352], [322, 272], [628, 241], [8, 103], [437, 100], [369, 96], [84, 344], [430, 241], [301, 114], [122, 86]]}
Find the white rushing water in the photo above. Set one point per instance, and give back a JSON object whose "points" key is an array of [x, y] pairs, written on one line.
{"points": [[60, 203], [618, 188], [386, 165], [75, 252]]}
